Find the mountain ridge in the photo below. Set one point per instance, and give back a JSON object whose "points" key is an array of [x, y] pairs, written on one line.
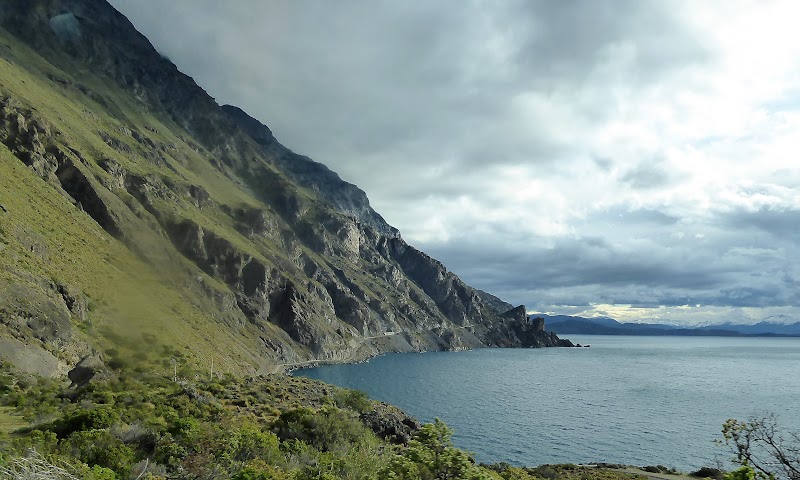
{"points": [[607, 326], [188, 219]]}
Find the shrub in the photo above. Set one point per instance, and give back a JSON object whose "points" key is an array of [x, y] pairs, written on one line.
{"points": [[743, 473], [431, 455], [298, 453], [146, 469], [353, 399], [169, 452], [99, 447], [259, 470], [325, 429], [182, 426], [708, 472], [95, 472], [7, 383], [249, 443], [78, 420], [763, 447], [137, 435], [546, 472], [39, 440]]}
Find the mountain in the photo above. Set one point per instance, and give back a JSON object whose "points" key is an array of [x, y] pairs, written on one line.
{"points": [[565, 324], [600, 321], [760, 328], [144, 224]]}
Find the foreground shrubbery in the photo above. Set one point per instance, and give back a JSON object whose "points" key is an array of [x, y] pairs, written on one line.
{"points": [[138, 426], [150, 427]]}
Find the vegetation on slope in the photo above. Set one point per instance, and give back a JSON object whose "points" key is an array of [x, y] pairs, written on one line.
{"points": [[47, 241]]}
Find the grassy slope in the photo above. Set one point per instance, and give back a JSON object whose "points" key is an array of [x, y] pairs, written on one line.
{"points": [[169, 304], [10, 420], [127, 295], [130, 296]]}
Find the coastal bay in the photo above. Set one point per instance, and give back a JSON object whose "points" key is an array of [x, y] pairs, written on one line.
{"points": [[633, 400]]}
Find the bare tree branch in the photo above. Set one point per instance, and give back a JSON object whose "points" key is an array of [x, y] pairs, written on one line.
{"points": [[759, 444]]}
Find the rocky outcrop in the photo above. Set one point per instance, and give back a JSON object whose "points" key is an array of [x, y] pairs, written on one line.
{"points": [[516, 330], [460, 303], [255, 222], [89, 369], [34, 142], [390, 423], [35, 311], [37, 320], [345, 197], [28, 358]]}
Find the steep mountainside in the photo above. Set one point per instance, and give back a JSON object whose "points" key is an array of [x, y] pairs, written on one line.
{"points": [[142, 221]]}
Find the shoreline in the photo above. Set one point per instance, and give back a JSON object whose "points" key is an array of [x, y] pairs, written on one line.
{"points": [[356, 358]]}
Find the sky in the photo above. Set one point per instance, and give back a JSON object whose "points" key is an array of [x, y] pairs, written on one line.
{"points": [[628, 158]]}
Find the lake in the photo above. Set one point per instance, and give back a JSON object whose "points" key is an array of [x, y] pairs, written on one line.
{"points": [[633, 400]]}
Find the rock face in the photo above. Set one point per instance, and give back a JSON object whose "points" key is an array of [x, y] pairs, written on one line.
{"points": [[284, 250], [390, 423], [89, 369]]}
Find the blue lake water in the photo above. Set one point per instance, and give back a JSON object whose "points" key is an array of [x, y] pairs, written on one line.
{"points": [[634, 400]]}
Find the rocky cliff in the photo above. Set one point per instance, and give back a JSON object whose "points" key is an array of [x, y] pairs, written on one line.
{"points": [[139, 212]]}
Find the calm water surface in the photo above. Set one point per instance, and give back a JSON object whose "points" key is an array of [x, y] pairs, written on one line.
{"points": [[637, 400]]}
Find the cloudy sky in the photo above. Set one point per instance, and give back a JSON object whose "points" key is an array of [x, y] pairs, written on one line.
{"points": [[632, 158]]}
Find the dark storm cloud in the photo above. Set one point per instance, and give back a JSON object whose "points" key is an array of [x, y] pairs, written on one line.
{"points": [[782, 223], [560, 154], [566, 41], [722, 270], [578, 262]]}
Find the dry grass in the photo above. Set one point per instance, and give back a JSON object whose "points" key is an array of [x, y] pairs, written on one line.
{"points": [[10, 420], [33, 467]]}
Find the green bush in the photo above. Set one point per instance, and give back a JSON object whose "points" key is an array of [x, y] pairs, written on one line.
{"points": [[249, 443], [742, 473], [169, 452], [259, 470], [99, 447], [42, 441], [353, 399], [95, 472], [7, 383], [78, 420], [546, 472], [325, 429], [182, 426], [431, 455], [115, 429]]}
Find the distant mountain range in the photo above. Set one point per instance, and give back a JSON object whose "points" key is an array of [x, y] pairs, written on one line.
{"points": [[565, 324]]}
